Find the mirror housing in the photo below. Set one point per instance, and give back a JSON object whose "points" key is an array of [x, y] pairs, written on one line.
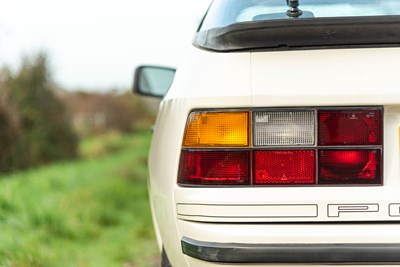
{"points": [[153, 81]]}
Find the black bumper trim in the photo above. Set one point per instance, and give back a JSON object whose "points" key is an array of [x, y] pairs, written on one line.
{"points": [[292, 253]]}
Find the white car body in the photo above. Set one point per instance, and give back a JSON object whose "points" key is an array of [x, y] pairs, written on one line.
{"points": [[363, 77], [353, 77]]}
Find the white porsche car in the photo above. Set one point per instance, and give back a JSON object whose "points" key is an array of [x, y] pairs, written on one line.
{"points": [[277, 140]]}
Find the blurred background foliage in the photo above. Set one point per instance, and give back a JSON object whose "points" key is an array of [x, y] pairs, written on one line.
{"points": [[42, 123], [72, 173], [38, 126]]}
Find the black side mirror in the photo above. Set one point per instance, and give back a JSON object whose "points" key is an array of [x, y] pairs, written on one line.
{"points": [[153, 80]]}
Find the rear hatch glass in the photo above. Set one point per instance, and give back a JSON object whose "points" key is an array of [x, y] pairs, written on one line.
{"points": [[227, 12], [250, 25]]}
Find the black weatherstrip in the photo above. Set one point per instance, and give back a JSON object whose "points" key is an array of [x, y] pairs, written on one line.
{"points": [[388, 254], [308, 33]]}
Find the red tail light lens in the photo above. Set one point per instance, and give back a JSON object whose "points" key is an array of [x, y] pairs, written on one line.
{"points": [[284, 167], [349, 167], [214, 168], [350, 127]]}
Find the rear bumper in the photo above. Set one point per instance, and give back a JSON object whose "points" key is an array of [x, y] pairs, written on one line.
{"points": [[291, 244], [292, 253]]}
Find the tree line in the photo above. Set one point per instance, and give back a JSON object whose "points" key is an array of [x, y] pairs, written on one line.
{"points": [[36, 123]]}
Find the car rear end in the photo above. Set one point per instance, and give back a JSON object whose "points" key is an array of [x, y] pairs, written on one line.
{"points": [[280, 157], [304, 174]]}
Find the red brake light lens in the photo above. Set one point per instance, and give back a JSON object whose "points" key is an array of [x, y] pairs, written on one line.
{"points": [[350, 127], [214, 168], [284, 167], [349, 166]]}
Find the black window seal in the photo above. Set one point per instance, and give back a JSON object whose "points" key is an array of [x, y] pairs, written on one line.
{"points": [[300, 34]]}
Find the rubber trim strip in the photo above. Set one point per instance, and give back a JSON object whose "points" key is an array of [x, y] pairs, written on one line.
{"points": [[299, 34], [379, 253]]}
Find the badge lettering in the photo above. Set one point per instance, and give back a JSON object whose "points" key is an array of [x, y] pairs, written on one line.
{"points": [[336, 209]]}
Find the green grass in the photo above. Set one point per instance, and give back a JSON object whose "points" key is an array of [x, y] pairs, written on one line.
{"points": [[91, 212]]}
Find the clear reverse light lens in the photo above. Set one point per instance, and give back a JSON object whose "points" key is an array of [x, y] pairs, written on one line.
{"points": [[284, 128]]}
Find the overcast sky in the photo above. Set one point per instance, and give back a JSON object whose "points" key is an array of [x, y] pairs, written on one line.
{"points": [[95, 44]]}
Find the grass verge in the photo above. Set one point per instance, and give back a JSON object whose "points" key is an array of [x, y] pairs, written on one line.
{"points": [[91, 212]]}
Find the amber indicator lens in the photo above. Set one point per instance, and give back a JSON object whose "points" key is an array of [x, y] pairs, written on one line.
{"points": [[217, 129], [350, 127], [214, 168], [284, 128], [284, 167], [350, 166]]}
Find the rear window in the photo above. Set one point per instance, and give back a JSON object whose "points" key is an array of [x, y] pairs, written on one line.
{"points": [[227, 12]]}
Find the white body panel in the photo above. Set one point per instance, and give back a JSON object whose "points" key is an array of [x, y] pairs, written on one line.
{"points": [[353, 77], [326, 77]]}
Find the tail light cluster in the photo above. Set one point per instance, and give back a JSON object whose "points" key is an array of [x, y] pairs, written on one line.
{"points": [[283, 147]]}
